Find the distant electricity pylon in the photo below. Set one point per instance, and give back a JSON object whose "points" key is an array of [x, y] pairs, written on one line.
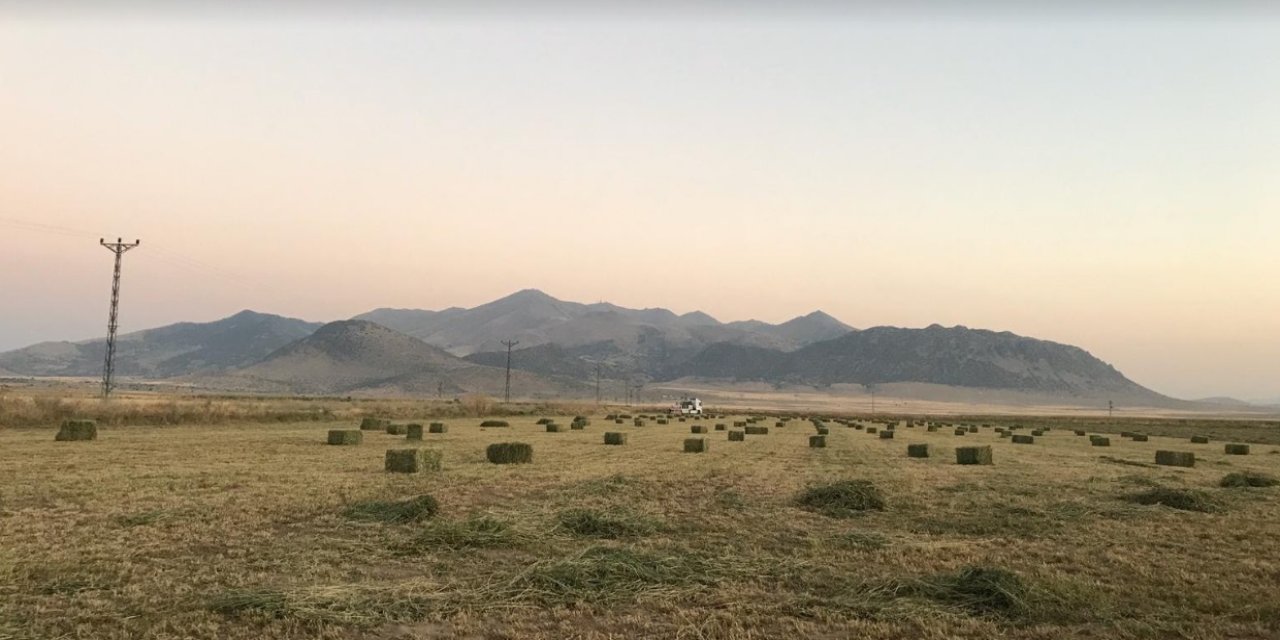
{"points": [[119, 247], [506, 395]]}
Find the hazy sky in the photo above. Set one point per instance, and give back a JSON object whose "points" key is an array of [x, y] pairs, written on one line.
{"points": [[1103, 178]]}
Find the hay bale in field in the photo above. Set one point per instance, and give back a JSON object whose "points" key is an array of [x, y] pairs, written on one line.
{"points": [[509, 453], [918, 450], [495, 423], [613, 437], [872, 430], [1126, 434], [542, 421], [577, 426], [77, 430], [740, 423], [1035, 433], [780, 424], [1006, 434], [618, 421], [397, 429], [1176, 458], [661, 421], [412, 460], [1099, 441], [374, 424], [974, 455], [638, 422], [612, 416], [817, 442], [1199, 439], [1236, 449], [698, 428], [1080, 432], [413, 432], [961, 432], [345, 436], [756, 430], [696, 445], [973, 429], [579, 422], [822, 431], [720, 426], [554, 428], [886, 434], [1139, 437], [680, 419], [1024, 439], [933, 428], [737, 436], [437, 427]]}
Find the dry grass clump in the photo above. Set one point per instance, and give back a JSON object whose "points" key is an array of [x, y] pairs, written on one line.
{"points": [[509, 453], [416, 509], [1181, 499], [611, 524], [842, 499], [1240, 479], [481, 532], [978, 590], [602, 575]]}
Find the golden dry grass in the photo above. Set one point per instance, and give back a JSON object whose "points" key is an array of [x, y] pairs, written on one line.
{"points": [[242, 531]]}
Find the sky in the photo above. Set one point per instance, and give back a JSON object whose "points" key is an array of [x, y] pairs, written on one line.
{"points": [[1104, 176]]}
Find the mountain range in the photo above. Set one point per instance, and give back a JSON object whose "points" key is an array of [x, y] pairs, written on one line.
{"points": [[562, 346]]}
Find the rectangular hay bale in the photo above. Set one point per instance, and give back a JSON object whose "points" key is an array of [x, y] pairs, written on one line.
{"points": [[413, 460], [918, 450], [1176, 458], [615, 438], [345, 436], [696, 445], [974, 455]]}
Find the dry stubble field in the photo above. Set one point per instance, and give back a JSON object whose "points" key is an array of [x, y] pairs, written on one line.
{"points": [[247, 531]]}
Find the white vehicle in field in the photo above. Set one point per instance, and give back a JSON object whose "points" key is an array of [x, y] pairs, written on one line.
{"points": [[688, 407]]}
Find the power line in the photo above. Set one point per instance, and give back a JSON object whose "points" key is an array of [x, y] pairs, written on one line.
{"points": [[507, 393], [119, 247]]}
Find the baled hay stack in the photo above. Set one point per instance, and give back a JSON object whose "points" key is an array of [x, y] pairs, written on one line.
{"points": [[755, 430], [542, 421], [822, 431], [414, 432], [973, 455], [973, 429], [638, 422], [1236, 449], [1080, 433], [1099, 441], [495, 423], [73, 430], [554, 428], [397, 430], [618, 421], [739, 423], [1037, 432], [346, 436], [737, 436], [817, 442], [1200, 439], [960, 432], [698, 428], [662, 421], [696, 445], [413, 460], [613, 437], [1139, 437], [1176, 458], [918, 451], [871, 430], [1024, 439], [374, 424], [437, 427], [931, 428], [780, 424], [509, 453], [886, 435], [720, 426]]}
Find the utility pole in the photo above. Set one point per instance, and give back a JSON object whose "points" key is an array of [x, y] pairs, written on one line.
{"points": [[1111, 408], [507, 394], [119, 247]]}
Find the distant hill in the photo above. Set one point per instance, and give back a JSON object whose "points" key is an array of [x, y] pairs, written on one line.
{"points": [[169, 351], [360, 356], [955, 356], [535, 318]]}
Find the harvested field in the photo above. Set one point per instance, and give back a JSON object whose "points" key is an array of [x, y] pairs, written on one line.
{"points": [[246, 530]]}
